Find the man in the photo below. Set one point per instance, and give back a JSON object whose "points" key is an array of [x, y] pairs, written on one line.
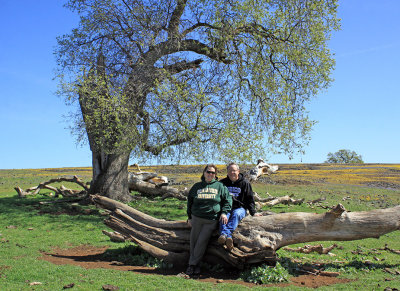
{"points": [[243, 200]]}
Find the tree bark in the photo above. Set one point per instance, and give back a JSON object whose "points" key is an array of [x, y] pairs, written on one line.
{"points": [[256, 239], [278, 230], [110, 176]]}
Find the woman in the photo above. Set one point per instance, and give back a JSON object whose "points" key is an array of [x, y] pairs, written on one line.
{"points": [[208, 201]]}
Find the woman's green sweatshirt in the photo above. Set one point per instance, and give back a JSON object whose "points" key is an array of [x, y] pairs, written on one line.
{"points": [[208, 200]]}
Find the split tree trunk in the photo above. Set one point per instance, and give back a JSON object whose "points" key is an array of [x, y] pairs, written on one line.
{"points": [[256, 239], [110, 176]]}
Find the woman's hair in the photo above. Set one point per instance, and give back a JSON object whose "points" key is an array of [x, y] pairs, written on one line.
{"points": [[210, 166]]}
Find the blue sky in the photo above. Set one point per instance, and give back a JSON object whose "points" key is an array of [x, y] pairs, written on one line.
{"points": [[360, 111]]}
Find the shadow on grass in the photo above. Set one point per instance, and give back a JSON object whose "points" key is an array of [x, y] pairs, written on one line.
{"points": [[296, 268], [20, 208]]}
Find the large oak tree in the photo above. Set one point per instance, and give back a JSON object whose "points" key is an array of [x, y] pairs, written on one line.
{"points": [[198, 79]]}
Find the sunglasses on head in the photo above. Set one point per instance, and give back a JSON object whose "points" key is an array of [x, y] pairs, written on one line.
{"points": [[210, 172]]}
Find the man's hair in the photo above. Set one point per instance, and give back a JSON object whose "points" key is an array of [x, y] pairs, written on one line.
{"points": [[232, 164]]}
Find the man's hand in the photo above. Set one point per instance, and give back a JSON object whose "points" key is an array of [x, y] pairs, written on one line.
{"points": [[258, 214], [189, 222], [223, 219]]}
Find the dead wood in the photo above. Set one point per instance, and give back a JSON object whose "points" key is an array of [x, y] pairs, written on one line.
{"points": [[151, 185], [283, 200], [318, 200], [257, 198], [152, 190], [317, 272], [307, 249], [57, 191], [256, 239], [114, 236], [261, 168], [386, 248], [272, 201]]}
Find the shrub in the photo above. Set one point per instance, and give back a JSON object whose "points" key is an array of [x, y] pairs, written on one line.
{"points": [[266, 274]]}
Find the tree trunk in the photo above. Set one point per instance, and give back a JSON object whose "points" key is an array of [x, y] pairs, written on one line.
{"points": [[256, 239], [110, 176]]}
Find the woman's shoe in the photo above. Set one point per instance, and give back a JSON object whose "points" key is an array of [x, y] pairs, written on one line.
{"points": [[190, 270], [197, 270]]}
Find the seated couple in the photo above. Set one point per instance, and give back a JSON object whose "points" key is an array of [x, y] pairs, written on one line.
{"points": [[210, 200]]}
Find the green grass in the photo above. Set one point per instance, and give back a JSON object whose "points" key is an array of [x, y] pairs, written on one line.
{"points": [[28, 228]]}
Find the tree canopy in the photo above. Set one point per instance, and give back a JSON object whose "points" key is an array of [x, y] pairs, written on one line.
{"points": [[181, 78], [344, 157]]}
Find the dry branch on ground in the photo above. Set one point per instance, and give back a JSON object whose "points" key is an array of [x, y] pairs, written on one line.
{"points": [[57, 191], [307, 249]]}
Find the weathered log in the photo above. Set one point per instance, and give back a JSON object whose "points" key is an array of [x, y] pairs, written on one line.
{"points": [[152, 190], [256, 239], [114, 236], [57, 191], [261, 168], [307, 249], [278, 230], [257, 198], [283, 200], [152, 185], [315, 201]]}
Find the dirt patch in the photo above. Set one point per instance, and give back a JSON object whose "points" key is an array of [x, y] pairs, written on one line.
{"points": [[90, 257]]}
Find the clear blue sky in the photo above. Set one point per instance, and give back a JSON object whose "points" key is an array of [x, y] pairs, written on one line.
{"points": [[360, 111]]}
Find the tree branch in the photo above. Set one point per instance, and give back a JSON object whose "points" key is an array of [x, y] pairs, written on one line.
{"points": [[175, 19], [183, 66]]}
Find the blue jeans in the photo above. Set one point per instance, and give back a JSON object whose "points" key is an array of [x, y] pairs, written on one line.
{"points": [[234, 217]]}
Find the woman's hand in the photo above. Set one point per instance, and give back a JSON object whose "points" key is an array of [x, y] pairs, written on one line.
{"points": [[223, 219], [189, 222]]}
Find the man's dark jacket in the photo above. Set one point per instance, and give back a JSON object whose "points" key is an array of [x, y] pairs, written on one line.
{"points": [[242, 193]]}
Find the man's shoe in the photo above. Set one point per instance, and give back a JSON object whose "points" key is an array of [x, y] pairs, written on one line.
{"points": [[229, 243], [222, 239], [190, 270], [197, 270]]}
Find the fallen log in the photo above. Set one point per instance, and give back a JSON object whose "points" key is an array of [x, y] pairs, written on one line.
{"points": [[256, 239], [282, 200], [57, 191], [261, 168], [307, 249], [152, 190]]}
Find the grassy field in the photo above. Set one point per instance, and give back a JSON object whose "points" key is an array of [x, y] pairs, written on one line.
{"points": [[29, 228]]}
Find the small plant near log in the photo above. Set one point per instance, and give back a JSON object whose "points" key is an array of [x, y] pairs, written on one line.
{"points": [[266, 274]]}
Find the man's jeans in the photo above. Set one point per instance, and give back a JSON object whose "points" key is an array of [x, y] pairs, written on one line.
{"points": [[234, 217]]}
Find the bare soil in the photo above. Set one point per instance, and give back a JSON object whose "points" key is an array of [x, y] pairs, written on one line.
{"points": [[91, 257]]}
